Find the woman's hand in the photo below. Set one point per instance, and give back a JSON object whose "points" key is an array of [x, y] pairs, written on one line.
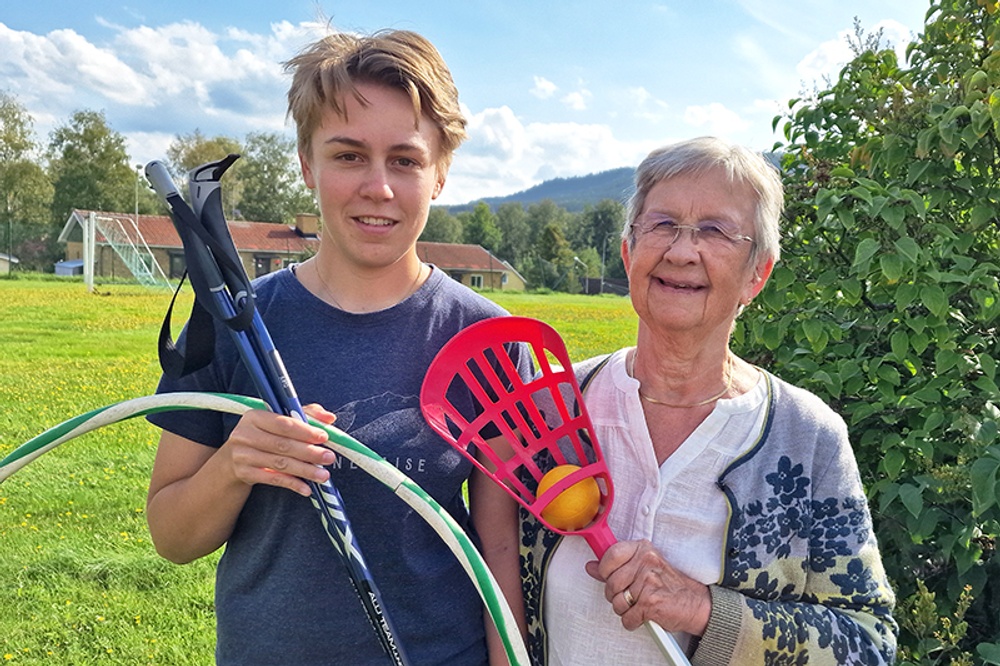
{"points": [[280, 450], [642, 586]]}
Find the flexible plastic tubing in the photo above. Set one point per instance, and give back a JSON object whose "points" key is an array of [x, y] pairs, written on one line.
{"points": [[363, 457]]}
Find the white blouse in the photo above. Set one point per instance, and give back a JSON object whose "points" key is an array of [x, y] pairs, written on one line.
{"points": [[677, 506]]}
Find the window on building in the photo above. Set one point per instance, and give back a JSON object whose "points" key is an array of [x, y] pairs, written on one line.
{"points": [[177, 265], [262, 265], [476, 281]]}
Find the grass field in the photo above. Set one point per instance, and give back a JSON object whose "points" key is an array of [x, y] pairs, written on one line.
{"points": [[80, 582]]}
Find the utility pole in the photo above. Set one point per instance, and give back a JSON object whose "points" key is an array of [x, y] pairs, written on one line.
{"points": [[604, 257]]}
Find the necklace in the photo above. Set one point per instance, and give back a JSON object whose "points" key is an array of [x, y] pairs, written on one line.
{"points": [[329, 292], [326, 287], [630, 368]]}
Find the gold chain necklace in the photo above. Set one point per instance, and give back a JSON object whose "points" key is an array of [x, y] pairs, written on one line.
{"points": [[329, 291], [630, 368]]}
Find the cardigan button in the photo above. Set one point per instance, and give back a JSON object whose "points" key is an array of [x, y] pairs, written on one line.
{"points": [[733, 552]]}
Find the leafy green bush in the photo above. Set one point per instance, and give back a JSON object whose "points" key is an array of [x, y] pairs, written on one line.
{"points": [[886, 304]]}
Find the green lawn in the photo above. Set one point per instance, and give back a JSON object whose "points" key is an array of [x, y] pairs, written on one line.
{"points": [[80, 582]]}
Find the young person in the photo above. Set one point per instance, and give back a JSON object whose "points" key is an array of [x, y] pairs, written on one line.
{"points": [[357, 325]]}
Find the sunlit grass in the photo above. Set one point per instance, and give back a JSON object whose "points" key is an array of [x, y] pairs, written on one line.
{"points": [[80, 581]]}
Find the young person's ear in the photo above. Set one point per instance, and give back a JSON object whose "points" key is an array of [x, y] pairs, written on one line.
{"points": [[439, 184], [307, 174]]}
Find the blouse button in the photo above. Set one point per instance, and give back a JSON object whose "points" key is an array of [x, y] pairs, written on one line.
{"points": [[645, 510]]}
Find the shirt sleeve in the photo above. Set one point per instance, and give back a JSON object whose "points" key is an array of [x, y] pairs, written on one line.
{"points": [[808, 577]]}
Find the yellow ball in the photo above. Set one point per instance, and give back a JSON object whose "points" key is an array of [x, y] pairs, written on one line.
{"points": [[574, 507]]}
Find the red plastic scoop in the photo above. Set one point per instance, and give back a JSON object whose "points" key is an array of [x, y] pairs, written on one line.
{"points": [[477, 358]]}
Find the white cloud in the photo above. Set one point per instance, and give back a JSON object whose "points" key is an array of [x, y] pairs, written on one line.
{"points": [[147, 146], [770, 71], [645, 106], [543, 88], [786, 19], [577, 101], [825, 61], [63, 64], [495, 134], [155, 82], [504, 155], [716, 119]]}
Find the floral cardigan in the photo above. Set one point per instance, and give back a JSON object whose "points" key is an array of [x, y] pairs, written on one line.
{"points": [[802, 579]]}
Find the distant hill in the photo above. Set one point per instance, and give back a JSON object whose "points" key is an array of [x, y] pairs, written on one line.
{"points": [[573, 194]]}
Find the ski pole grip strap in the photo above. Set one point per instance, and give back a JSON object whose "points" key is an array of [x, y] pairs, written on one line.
{"points": [[198, 346], [206, 260]]}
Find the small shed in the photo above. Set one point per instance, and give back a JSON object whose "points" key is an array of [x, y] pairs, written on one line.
{"points": [[7, 262], [69, 267]]}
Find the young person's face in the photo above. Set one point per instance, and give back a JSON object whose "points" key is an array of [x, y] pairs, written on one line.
{"points": [[375, 174]]}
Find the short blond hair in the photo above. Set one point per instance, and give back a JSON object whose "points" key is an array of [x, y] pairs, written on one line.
{"points": [[334, 65]]}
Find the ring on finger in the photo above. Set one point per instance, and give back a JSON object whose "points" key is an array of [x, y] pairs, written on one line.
{"points": [[629, 599]]}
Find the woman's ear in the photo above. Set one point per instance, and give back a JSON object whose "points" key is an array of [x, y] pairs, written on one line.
{"points": [[760, 275]]}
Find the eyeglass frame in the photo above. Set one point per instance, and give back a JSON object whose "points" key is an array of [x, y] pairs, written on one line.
{"points": [[734, 240]]}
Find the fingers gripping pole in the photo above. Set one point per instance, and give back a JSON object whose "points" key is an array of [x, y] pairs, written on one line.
{"points": [[401, 485]]}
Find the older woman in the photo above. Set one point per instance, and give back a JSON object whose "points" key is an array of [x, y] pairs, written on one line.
{"points": [[743, 525]]}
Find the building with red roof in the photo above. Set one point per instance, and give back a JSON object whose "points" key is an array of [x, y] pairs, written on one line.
{"points": [[149, 248]]}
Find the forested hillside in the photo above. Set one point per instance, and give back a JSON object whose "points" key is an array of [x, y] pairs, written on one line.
{"points": [[573, 194]]}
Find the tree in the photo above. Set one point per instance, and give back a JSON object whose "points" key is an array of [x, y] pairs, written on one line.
{"points": [[512, 221], [544, 213], [188, 151], [89, 167], [273, 190], [600, 227], [480, 228], [598, 222], [25, 190], [442, 227], [886, 304], [552, 261]]}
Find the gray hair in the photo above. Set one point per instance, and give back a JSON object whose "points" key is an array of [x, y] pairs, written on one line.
{"points": [[696, 156]]}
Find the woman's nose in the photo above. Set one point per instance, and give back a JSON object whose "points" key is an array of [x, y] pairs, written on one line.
{"points": [[688, 232]]}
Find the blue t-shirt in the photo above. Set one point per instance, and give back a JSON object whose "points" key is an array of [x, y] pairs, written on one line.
{"points": [[282, 594]]}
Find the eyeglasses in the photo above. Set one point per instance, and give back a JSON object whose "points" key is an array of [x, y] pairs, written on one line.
{"points": [[664, 232]]}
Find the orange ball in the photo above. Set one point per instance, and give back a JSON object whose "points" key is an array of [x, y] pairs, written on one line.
{"points": [[573, 508]]}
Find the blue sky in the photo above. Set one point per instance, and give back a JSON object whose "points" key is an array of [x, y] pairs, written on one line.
{"points": [[551, 89]]}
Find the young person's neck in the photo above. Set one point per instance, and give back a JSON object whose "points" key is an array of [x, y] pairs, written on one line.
{"points": [[364, 291]]}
